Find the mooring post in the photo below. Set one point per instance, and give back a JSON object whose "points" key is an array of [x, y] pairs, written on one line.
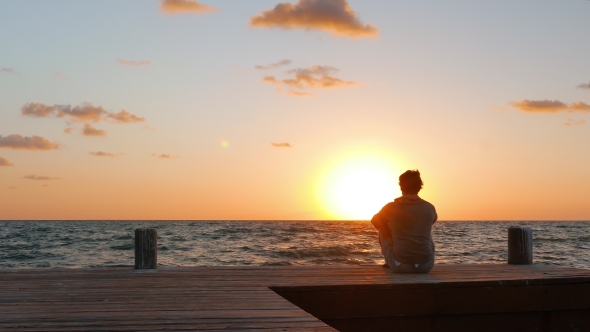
{"points": [[520, 245], [146, 248]]}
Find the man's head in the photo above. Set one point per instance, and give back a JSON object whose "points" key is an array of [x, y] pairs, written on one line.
{"points": [[410, 182]]}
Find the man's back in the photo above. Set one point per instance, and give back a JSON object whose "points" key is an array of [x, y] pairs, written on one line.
{"points": [[409, 220]]}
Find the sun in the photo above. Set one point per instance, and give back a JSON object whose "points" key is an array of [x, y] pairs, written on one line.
{"points": [[356, 188]]}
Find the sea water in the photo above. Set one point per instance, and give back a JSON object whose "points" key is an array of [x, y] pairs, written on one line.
{"points": [[80, 244]]}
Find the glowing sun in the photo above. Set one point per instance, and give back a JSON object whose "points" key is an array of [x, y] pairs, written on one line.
{"points": [[357, 188]]}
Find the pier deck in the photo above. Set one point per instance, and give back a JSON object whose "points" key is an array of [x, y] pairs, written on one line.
{"points": [[353, 298]]}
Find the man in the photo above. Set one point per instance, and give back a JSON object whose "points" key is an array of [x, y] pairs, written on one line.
{"points": [[405, 228]]}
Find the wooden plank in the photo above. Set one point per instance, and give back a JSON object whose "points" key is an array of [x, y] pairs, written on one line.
{"points": [[120, 299], [239, 298], [187, 324]]}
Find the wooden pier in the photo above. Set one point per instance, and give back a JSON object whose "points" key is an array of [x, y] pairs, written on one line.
{"points": [[482, 297]]}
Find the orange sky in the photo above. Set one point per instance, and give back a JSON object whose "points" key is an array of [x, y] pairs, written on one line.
{"points": [[307, 109]]}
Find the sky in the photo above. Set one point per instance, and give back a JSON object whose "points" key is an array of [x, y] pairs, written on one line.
{"points": [[293, 110]]}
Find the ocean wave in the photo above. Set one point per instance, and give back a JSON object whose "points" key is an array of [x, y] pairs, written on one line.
{"points": [[277, 263], [55, 244], [128, 246]]}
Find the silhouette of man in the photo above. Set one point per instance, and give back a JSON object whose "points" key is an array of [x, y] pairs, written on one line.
{"points": [[405, 228]]}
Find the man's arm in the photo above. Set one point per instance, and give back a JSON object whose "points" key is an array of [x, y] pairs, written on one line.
{"points": [[378, 220]]}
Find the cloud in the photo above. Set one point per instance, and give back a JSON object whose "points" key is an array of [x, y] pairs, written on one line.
{"points": [[106, 154], [317, 77], [82, 113], [184, 6], [134, 63], [282, 145], [7, 70], [584, 86], [274, 65], [539, 105], [18, 142], [148, 128], [572, 122], [12, 187], [61, 76], [91, 131], [39, 178], [298, 93], [38, 110], [270, 79], [5, 162], [85, 112], [164, 156], [579, 106], [68, 130], [314, 77], [549, 106], [125, 117], [333, 16]]}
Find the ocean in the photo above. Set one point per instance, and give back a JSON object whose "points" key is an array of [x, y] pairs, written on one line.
{"points": [[87, 244]]}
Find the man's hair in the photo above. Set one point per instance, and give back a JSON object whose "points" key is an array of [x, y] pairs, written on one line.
{"points": [[410, 182]]}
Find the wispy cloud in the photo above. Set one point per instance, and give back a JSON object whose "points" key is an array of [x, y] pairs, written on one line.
{"points": [[579, 106], [274, 64], [134, 63], [106, 154], [270, 79], [299, 93], [39, 178], [317, 77], [184, 6], [5, 162], [549, 106], [68, 130], [281, 145], [89, 130], [125, 117], [85, 112], [584, 86], [539, 105], [39, 110], [61, 76], [18, 142], [7, 70], [164, 156], [314, 77], [333, 16], [572, 122]]}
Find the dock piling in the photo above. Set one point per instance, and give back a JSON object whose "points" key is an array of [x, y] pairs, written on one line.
{"points": [[146, 248], [520, 245]]}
